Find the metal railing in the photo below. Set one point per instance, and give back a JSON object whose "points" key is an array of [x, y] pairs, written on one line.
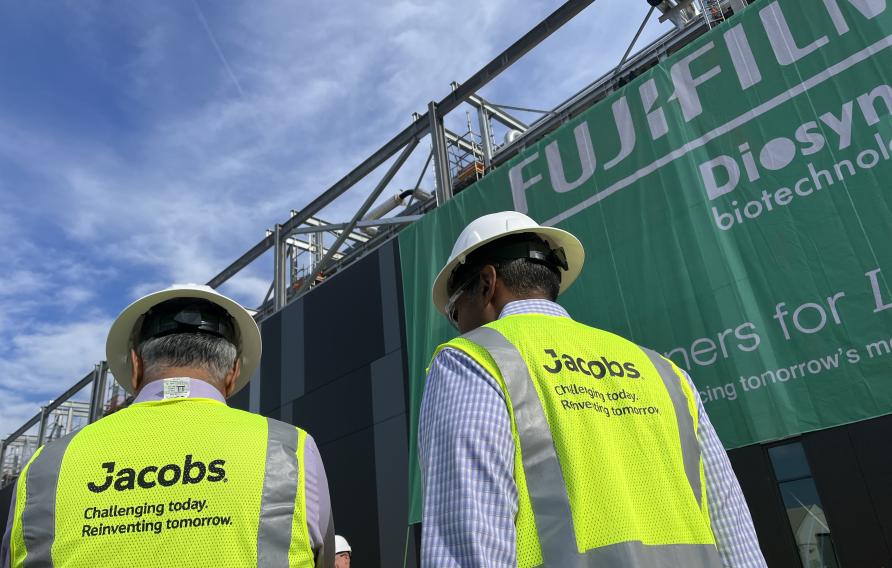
{"points": [[71, 411]]}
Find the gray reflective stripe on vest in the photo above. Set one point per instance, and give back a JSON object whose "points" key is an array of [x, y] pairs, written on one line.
{"points": [[545, 481], [637, 554], [39, 513], [279, 493], [690, 448], [548, 490]]}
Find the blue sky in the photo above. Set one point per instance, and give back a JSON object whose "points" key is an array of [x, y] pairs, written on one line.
{"points": [[146, 143]]}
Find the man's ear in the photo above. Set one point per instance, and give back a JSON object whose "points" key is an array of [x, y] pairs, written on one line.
{"points": [[488, 283], [229, 383], [135, 370]]}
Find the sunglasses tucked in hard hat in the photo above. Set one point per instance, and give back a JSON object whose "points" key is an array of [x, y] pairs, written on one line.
{"points": [[569, 255]]}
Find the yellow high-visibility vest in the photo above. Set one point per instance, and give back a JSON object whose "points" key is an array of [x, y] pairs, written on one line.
{"points": [[179, 482], [607, 462]]}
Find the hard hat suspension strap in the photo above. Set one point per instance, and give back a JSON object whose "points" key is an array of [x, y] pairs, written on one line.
{"points": [[188, 315], [526, 246]]}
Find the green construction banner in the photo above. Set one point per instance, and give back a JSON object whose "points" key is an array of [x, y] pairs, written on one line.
{"points": [[735, 203]]}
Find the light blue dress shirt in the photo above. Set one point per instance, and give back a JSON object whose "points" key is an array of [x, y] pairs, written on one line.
{"points": [[466, 453]]}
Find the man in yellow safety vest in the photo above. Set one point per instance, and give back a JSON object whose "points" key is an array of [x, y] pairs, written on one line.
{"points": [[177, 478], [546, 442]]}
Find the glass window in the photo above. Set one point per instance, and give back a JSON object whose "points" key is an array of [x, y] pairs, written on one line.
{"points": [[800, 493], [803, 505], [789, 461]]}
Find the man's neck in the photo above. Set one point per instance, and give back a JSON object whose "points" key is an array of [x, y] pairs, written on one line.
{"points": [[190, 372], [507, 297], [177, 388]]}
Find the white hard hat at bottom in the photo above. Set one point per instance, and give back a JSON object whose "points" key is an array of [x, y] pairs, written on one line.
{"points": [[341, 545], [121, 335], [494, 226]]}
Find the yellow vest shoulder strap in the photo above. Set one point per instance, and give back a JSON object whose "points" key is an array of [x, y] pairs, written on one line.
{"points": [[33, 547]]}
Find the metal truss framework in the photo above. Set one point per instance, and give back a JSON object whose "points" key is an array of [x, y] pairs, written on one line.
{"points": [[97, 379], [304, 234], [458, 160]]}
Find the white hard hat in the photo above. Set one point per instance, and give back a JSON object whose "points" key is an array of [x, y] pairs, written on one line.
{"points": [[341, 545], [121, 335], [495, 226]]}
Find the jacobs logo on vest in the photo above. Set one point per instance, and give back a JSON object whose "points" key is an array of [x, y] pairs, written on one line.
{"points": [[150, 476], [593, 368]]}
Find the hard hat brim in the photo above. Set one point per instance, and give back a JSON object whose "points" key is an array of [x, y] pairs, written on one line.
{"points": [[556, 238], [119, 342]]}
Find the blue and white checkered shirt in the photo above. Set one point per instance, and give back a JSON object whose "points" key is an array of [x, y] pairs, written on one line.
{"points": [[466, 453]]}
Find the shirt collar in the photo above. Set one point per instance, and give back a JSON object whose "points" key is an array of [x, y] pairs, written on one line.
{"points": [[544, 307], [196, 389]]}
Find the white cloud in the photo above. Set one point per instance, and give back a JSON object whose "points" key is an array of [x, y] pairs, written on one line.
{"points": [[45, 360], [16, 411], [247, 288], [40, 364]]}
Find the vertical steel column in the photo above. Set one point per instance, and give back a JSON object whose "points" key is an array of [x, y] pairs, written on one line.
{"points": [[103, 385], [94, 395], [3, 444], [100, 377], [279, 269], [441, 163], [41, 432], [317, 240], [485, 136]]}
